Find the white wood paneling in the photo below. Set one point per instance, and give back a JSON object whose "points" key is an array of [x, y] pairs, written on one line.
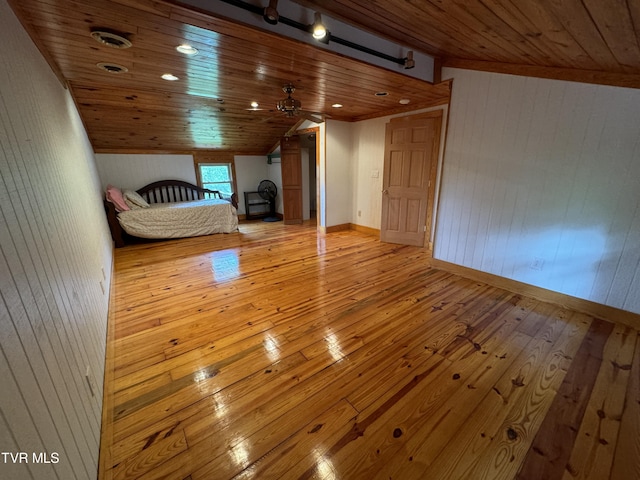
{"points": [[55, 268], [133, 171], [541, 184], [275, 175], [338, 170], [11, 470], [306, 189], [250, 170]]}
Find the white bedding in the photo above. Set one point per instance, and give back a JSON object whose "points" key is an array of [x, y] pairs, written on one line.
{"points": [[182, 219]]}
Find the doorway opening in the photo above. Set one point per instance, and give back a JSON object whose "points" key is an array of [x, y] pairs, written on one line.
{"points": [[310, 172]]}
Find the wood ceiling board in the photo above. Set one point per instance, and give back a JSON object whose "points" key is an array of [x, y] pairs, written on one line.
{"points": [[399, 27], [590, 36], [586, 41], [238, 63], [575, 19], [240, 104], [467, 29], [264, 54], [613, 20], [543, 31]]}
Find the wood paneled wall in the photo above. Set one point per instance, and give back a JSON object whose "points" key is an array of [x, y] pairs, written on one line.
{"points": [[133, 171], [250, 170], [338, 170], [55, 271], [540, 185]]}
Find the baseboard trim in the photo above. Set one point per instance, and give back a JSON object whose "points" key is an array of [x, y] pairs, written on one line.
{"points": [[350, 226], [108, 380], [338, 228], [574, 303], [368, 230]]}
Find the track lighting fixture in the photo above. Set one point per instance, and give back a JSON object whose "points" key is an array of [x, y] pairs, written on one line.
{"points": [[270, 14], [318, 30], [409, 62]]}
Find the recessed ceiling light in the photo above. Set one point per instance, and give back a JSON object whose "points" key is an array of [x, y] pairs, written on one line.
{"points": [[255, 104], [169, 76], [405, 101], [337, 105], [111, 38], [112, 67], [187, 49], [381, 94]]}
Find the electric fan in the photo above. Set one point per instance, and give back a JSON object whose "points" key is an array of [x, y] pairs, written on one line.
{"points": [[268, 191]]}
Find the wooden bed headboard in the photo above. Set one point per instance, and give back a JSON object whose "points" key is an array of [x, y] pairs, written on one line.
{"points": [[164, 191], [170, 191]]}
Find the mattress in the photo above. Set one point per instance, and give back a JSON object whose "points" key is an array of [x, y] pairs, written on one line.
{"points": [[181, 219]]}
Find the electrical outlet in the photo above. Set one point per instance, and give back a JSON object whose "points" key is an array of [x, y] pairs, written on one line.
{"points": [[359, 213], [537, 263], [91, 381]]}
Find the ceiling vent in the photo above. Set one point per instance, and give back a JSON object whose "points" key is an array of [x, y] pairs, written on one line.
{"points": [[110, 38], [112, 67]]}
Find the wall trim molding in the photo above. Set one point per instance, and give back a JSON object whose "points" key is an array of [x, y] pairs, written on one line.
{"points": [[338, 228], [604, 312], [108, 397], [350, 226], [368, 230]]}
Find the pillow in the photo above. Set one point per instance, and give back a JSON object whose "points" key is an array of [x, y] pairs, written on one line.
{"points": [[114, 195], [134, 199]]}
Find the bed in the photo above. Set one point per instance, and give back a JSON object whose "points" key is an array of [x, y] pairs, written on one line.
{"points": [[168, 209]]}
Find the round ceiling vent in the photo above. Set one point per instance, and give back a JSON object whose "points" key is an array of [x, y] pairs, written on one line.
{"points": [[112, 67], [110, 39]]}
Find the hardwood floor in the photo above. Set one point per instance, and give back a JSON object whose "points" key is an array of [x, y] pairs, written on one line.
{"points": [[277, 353]]}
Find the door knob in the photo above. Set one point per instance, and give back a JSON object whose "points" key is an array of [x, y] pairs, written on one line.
{"points": [[385, 191]]}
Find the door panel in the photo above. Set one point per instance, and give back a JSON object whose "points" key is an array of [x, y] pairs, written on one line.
{"points": [[291, 165], [292, 199], [411, 152]]}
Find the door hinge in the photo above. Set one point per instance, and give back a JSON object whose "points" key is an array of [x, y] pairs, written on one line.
{"points": [[425, 228]]}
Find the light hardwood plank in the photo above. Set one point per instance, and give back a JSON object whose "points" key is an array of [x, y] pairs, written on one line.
{"points": [[350, 358]]}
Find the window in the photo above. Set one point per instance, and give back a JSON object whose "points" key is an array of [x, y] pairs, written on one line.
{"points": [[217, 176]]}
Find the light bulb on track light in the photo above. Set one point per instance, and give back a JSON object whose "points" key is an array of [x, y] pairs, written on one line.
{"points": [[318, 30]]}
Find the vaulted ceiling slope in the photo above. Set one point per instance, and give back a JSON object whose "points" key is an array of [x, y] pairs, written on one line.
{"points": [[593, 41], [208, 107]]}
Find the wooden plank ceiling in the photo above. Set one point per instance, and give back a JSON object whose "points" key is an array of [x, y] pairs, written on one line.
{"points": [[208, 108], [592, 41]]}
